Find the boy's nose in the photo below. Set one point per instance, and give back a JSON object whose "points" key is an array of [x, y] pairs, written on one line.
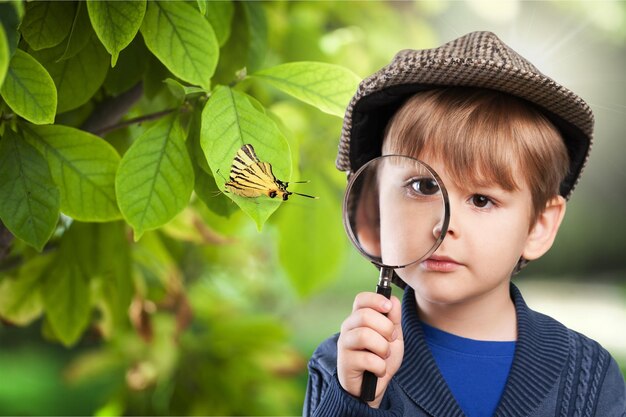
{"points": [[438, 229]]}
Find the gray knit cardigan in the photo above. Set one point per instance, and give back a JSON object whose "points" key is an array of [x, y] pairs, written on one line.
{"points": [[556, 372]]}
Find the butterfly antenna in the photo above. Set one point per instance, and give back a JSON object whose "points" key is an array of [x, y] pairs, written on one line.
{"points": [[299, 182], [218, 171], [306, 195]]}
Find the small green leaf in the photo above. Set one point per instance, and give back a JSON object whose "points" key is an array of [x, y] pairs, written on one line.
{"points": [[65, 291], [20, 297], [325, 86], [181, 91], [47, 23], [79, 77], [155, 178], [202, 6], [4, 55], [220, 15], [30, 204], [116, 23], [29, 90], [83, 166], [182, 40], [229, 121]]}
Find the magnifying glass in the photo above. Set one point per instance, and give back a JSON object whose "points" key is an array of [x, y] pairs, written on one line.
{"points": [[396, 213]]}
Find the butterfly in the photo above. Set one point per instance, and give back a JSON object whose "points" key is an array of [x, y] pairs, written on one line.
{"points": [[249, 177]]}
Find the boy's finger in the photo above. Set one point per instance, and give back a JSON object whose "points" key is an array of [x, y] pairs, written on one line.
{"points": [[395, 314], [366, 317], [372, 300], [365, 339]]}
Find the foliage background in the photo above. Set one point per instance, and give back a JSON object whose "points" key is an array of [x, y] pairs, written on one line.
{"points": [[221, 317]]}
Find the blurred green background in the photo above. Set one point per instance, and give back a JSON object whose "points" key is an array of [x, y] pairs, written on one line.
{"points": [[257, 304]]}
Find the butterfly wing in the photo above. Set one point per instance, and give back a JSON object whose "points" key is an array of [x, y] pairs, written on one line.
{"points": [[249, 177], [252, 181], [244, 158]]}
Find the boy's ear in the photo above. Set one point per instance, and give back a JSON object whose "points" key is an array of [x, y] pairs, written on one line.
{"points": [[544, 231]]}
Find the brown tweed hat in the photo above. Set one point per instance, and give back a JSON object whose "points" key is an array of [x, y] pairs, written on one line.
{"points": [[478, 59]]}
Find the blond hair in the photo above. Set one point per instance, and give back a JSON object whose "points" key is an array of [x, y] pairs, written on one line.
{"points": [[485, 137]]}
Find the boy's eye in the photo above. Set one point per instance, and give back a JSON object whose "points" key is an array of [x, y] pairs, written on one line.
{"points": [[424, 186], [481, 201]]}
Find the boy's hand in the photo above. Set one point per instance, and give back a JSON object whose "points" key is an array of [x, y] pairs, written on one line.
{"points": [[370, 341]]}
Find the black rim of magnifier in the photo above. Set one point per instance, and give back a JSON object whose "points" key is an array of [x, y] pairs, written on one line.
{"points": [[444, 225]]}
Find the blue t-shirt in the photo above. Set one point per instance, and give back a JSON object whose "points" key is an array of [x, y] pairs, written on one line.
{"points": [[475, 370]]}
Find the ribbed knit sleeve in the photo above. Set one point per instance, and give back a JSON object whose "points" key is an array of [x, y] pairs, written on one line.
{"points": [[326, 398]]}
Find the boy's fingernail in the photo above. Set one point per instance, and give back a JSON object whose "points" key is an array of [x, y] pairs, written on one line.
{"points": [[394, 335], [387, 305]]}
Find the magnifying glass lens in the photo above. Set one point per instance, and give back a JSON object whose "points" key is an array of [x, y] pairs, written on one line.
{"points": [[395, 211]]}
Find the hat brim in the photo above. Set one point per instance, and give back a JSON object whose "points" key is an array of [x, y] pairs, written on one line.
{"points": [[371, 114]]}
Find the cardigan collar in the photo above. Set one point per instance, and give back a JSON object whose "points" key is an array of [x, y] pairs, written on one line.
{"points": [[540, 354]]}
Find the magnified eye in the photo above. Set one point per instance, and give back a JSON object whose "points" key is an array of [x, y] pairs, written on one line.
{"points": [[424, 186]]}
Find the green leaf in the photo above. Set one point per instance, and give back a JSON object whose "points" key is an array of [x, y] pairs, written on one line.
{"points": [[116, 277], [4, 55], [154, 76], [116, 23], [202, 5], [66, 292], [182, 40], [10, 19], [47, 23], [181, 91], [155, 178], [257, 23], [20, 297], [78, 78], [325, 86], [29, 90], [30, 204], [83, 166], [229, 121], [205, 186], [80, 33], [220, 15], [248, 32], [130, 68]]}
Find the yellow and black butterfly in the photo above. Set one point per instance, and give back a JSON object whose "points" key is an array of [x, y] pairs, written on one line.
{"points": [[249, 177]]}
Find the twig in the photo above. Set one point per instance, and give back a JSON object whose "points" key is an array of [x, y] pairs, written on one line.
{"points": [[110, 111], [153, 116]]}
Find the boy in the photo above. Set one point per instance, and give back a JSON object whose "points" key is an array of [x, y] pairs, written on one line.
{"points": [[509, 144]]}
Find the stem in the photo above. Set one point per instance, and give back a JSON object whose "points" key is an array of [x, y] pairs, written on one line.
{"points": [[153, 116], [110, 111]]}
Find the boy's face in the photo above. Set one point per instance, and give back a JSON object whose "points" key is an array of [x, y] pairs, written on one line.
{"points": [[488, 232]]}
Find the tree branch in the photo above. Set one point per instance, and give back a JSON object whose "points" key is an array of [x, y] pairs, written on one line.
{"points": [[110, 111], [153, 116]]}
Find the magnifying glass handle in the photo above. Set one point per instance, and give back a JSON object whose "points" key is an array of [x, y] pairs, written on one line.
{"points": [[368, 386]]}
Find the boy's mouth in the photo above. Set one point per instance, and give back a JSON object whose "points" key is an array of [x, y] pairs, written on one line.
{"points": [[440, 264]]}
